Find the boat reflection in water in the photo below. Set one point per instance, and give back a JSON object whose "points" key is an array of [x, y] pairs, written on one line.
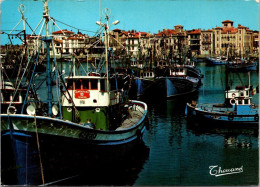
{"points": [[70, 164], [234, 136]]}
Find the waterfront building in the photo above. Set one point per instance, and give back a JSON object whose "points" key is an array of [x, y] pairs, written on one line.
{"points": [[255, 42], [207, 42], [65, 42], [234, 41], [166, 44], [194, 41]]}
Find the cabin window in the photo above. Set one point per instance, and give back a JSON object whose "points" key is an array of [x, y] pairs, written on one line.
{"points": [[102, 85], [70, 84], [246, 102], [241, 94], [240, 102], [85, 84], [78, 84], [94, 84]]}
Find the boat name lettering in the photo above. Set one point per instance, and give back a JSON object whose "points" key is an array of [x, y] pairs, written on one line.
{"points": [[88, 135], [82, 94]]}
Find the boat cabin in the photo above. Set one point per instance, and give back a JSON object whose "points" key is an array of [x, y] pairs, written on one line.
{"points": [[162, 63], [90, 91], [239, 99], [178, 71], [8, 96], [147, 74]]}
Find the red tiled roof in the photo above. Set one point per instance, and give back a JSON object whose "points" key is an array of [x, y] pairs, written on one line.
{"points": [[218, 28], [240, 26], [63, 31], [230, 30], [195, 31], [115, 30], [227, 21], [167, 32]]}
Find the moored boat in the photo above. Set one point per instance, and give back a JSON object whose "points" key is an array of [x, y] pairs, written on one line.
{"points": [[83, 114], [237, 109], [220, 60], [241, 65]]}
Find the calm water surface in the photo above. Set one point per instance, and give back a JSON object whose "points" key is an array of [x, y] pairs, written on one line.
{"points": [[179, 152]]}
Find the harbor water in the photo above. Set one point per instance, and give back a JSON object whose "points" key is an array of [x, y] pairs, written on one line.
{"points": [[176, 151]]}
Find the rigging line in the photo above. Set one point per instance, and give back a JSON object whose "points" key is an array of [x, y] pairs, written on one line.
{"points": [[39, 150], [31, 79], [16, 26], [81, 66], [118, 42], [56, 25], [41, 28], [29, 25], [72, 26], [20, 67], [37, 27], [20, 82]]}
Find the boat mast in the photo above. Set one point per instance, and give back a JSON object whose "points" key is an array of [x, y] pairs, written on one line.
{"points": [[48, 40]]}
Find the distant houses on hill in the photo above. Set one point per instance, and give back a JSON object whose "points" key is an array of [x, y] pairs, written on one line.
{"points": [[225, 40]]}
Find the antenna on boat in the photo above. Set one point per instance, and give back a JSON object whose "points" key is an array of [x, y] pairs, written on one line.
{"points": [[107, 12]]}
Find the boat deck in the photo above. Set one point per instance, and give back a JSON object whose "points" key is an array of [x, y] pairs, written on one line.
{"points": [[135, 116]]}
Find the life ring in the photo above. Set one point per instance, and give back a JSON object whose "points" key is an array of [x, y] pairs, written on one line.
{"points": [[232, 101], [11, 110], [256, 117], [231, 116]]}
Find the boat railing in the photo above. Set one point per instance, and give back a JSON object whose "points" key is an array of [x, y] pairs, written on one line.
{"points": [[224, 110]]}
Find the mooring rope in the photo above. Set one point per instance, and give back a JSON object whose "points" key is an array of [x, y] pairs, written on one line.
{"points": [[39, 150]]}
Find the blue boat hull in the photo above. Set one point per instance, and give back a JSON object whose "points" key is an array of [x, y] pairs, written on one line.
{"points": [[33, 154], [168, 87], [222, 119], [22, 163]]}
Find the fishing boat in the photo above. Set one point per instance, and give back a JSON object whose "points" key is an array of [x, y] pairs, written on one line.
{"points": [[144, 81], [237, 109], [241, 65], [83, 114], [172, 81], [220, 60]]}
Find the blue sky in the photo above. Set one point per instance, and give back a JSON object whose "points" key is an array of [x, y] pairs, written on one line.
{"points": [[140, 15]]}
